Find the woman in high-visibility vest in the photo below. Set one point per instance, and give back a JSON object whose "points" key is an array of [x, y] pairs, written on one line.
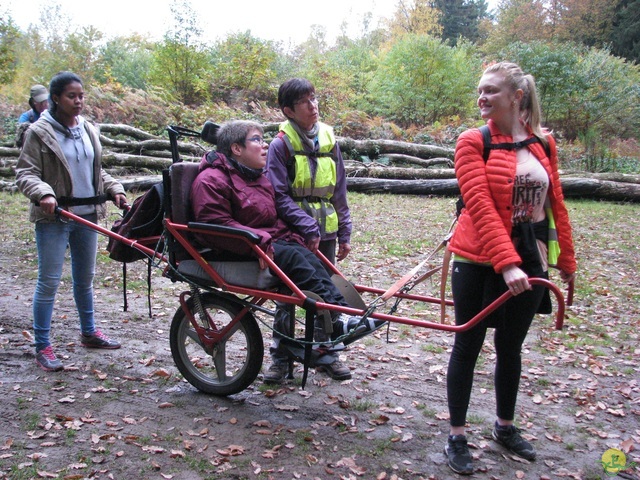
{"points": [[306, 169]]}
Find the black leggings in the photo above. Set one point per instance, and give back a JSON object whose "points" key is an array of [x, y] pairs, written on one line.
{"points": [[473, 287]]}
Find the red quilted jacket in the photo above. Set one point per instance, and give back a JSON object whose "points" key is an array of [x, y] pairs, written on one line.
{"points": [[483, 233]]}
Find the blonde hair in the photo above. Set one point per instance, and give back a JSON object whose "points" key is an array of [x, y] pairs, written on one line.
{"points": [[530, 105]]}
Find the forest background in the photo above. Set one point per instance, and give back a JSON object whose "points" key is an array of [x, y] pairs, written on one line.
{"points": [[412, 78]]}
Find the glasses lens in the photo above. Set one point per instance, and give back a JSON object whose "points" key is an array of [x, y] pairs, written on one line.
{"points": [[308, 101]]}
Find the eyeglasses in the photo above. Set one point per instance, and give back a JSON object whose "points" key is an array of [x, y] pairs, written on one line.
{"points": [[310, 102], [256, 139]]}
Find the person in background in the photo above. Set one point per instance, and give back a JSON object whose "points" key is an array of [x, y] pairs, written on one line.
{"points": [[231, 189], [514, 225], [38, 101], [306, 169], [60, 166]]}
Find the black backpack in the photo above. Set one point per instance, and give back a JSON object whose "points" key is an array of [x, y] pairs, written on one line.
{"points": [[488, 146], [143, 219]]}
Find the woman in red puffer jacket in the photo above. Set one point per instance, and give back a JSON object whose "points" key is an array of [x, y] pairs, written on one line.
{"points": [[514, 225]]}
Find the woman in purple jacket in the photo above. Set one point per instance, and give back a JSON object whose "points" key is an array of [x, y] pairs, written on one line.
{"points": [[231, 189]]}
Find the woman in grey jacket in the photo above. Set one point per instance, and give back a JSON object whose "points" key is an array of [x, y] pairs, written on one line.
{"points": [[60, 166]]}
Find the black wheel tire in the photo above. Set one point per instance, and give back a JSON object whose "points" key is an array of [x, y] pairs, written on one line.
{"points": [[235, 362]]}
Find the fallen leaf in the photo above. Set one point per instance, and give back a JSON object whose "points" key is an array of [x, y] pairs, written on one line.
{"points": [[287, 408], [231, 451], [43, 474]]}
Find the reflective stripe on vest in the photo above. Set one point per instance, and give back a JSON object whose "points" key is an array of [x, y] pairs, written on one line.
{"points": [[553, 246], [313, 194]]}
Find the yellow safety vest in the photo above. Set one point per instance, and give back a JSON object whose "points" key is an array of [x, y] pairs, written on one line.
{"points": [[313, 193]]}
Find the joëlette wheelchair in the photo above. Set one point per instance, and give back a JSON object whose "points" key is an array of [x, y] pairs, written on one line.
{"points": [[215, 337]]}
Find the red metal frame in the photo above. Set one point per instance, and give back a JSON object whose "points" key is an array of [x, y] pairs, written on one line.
{"points": [[297, 297]]}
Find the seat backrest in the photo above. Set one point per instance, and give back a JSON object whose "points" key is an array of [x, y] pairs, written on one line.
{"points": [[182, 176]]}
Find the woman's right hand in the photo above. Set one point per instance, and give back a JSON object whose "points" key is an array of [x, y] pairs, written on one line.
{"points": [[313, 244], [48, 204], [262, 262], [517, 281]]}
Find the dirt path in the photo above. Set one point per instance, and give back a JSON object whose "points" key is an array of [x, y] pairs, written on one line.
{"points": [[128, 414]]}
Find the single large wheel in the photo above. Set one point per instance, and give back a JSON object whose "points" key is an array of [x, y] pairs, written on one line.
{"points": [[233, 363]]}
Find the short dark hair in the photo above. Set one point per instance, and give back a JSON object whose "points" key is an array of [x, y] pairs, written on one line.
{"points": [[57, 85], [293, 90], [235, 131]]}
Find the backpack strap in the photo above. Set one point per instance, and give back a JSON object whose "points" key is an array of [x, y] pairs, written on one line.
{"points": [[486, 141], [290, 150], [488, 146]]}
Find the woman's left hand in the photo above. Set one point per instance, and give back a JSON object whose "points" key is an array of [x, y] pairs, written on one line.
{"points": [[567, 277]]}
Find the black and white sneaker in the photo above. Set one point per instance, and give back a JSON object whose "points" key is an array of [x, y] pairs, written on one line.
{"points": [[354, 328]]}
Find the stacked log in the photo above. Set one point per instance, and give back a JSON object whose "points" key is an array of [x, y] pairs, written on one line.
{"points": [[137, 157]]}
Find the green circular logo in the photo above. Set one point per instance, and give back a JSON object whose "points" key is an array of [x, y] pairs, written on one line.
{"points": [[613, 460]]}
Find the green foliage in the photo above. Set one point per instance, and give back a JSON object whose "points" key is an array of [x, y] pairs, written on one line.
{"points": [[415, 17], [582, 90], [243, 63], [9, 35], [180, 63], [461, 19], [126, 60], [625, 34], [357, 63], [422, 80]]}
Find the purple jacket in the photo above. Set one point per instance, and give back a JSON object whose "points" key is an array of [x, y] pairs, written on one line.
{"points": [[221, 195], [307, 226]]}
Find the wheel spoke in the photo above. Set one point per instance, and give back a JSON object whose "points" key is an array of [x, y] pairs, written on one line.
{"points": [[220, 361], [193, 335]]}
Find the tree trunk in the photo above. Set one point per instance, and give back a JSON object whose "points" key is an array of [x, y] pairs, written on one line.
{"points": [[604, 189], [397, 158], [124, 156], [9, 152], [612, 177], [376, 171], [572, 187], [376, 148], [140, 162], [121, 129], [140, 183], [411, 187]]}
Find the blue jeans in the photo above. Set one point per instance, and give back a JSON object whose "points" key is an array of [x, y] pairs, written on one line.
{"points": [[52, 240]]}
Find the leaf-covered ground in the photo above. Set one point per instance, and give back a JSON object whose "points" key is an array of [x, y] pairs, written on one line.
{"points": [[128, 414]]}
